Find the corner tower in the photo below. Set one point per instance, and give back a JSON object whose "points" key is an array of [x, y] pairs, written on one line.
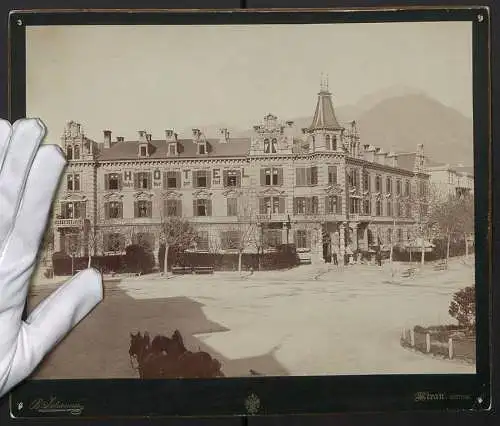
{"points": [[325, 132]]}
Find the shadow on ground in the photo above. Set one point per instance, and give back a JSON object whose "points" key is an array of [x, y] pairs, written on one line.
{"points": [[97, 348]]}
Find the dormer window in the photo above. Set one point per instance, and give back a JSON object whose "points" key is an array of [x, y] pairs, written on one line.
{"points": [[172, 149], [143, 150], [69, 152], [76, 153], [202, 148]]}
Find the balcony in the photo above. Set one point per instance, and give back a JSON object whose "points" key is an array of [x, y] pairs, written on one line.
{"points": [[69, 223], [274, 217]]}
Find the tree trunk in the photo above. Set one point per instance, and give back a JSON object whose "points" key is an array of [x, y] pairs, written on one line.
{"points": [[165, 261], [240, 256], [448, 241], [422, 259], [90, 261], [72, 265], [466, 245]]}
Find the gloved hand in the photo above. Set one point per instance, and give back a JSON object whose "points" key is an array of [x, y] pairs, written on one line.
{"points": [[29, 175]]}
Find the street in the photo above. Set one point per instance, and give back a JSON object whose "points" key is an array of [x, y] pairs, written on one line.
{"points": [[311, 320]]}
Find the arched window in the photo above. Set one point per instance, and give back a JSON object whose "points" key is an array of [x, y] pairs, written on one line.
{"points": [[328, 142], [334, 143], [69, 152], [274, 146], [76, 153], [266, 146]]}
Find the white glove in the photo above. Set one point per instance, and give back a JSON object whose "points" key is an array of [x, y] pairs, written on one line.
{"points": [[29, 175]]}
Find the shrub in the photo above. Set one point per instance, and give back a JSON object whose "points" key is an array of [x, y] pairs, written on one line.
{"points": [[139, 258], [463, 307]]}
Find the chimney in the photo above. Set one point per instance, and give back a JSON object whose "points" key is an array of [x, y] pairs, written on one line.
{"points": [[148, 137], [369, 153], [196, 134], [107, 138], [120, 139], [170, 136], [380, 155], [142, 136], [224, 138], [256, 128]]}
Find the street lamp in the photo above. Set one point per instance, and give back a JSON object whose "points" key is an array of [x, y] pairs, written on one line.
{"points": [[288, 225]]}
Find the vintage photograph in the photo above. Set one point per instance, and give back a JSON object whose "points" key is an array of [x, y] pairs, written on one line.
{"points": [[262, 200]]}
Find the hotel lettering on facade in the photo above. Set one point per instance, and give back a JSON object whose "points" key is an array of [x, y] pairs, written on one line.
{"points": [[323, 190]]}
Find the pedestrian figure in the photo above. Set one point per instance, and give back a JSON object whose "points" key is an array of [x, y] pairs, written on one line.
{"points": [[378, 257]]}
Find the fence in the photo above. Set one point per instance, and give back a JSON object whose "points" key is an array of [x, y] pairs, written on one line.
{"points": [[447, 345]]}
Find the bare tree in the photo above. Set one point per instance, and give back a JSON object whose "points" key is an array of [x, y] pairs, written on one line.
{"points": [[175, 232], [243, 234]]}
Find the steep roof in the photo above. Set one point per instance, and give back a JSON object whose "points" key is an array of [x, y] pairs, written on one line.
{"points": [[128, 150], [324, 116]]}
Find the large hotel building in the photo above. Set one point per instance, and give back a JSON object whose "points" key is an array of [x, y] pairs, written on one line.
{"points": [[324, 191]]}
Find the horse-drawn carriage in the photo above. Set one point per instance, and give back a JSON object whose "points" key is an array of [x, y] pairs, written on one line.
{"points": [[167, 357]]}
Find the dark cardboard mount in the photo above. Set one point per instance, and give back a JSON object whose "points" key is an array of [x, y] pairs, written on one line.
{"points": [[280, 395]]}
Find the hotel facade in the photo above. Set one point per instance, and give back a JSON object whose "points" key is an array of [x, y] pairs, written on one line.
{"points": [[320, 189]]}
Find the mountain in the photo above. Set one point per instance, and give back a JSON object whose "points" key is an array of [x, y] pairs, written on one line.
{"points": [[401, 123], [397, 119]]}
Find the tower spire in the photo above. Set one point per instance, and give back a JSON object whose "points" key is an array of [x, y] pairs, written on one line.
{"points": [[324, 116]]}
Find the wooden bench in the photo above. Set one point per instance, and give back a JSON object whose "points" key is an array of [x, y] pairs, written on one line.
{"points": [[203, 270], [181, 270], [441, 266], [408, 272]]}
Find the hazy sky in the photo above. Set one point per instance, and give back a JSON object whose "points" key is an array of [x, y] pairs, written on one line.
{"points": [[158, 77]]}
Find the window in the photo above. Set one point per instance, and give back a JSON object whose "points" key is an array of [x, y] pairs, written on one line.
{"points": [[378, 184], [143, 180], [332, 204], [366, 181], [300, 205], [398, 187], [112, 181], [231, 178], [272, 237], [172, 179], [69, 152], [306, 176], [143, 208], [73, 182], [201, 179], [271, 176], [274, 146], [422, 188], [399, 210], [332, 175], [354, 205], [389, 235], [144, 239], [73, 210], [314, 205], [366, 207], [201, 149], [400, 235], [202, 241], [378, 208], [232, 206], [327, 140], [231, 239], [113, 242], [202, 207], [267, 146], [334, 143], [143, 151], [301, 239], [353, 178], [388, 185], [268, 205], [173, 208], [76, 153], [172, 149], [407, 188], [389, 208], [113, 210]]}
